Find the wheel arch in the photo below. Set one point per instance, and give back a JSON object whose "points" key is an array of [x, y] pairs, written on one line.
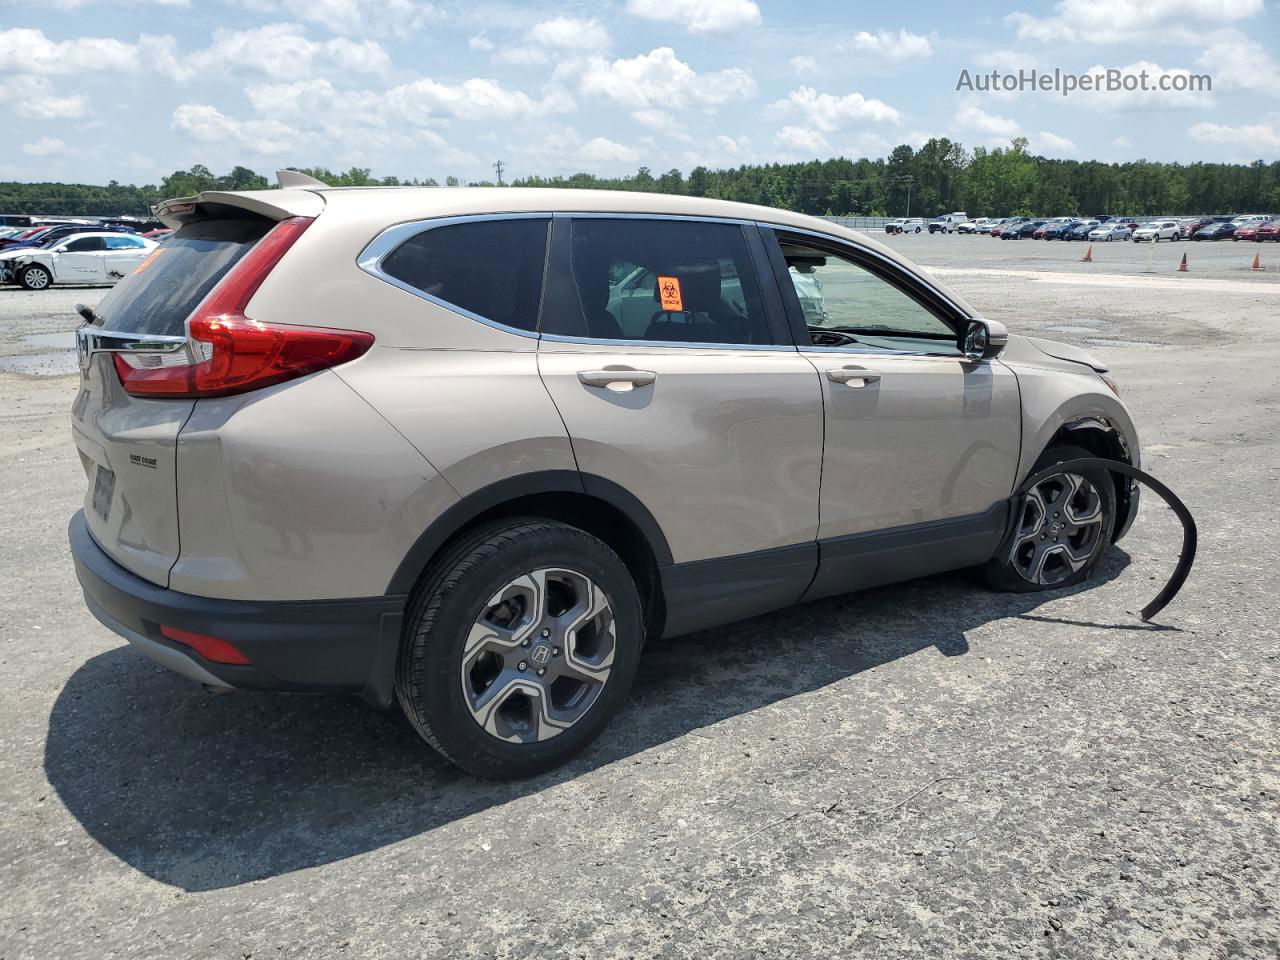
{"points": [[599, 506], [1102, 438]]}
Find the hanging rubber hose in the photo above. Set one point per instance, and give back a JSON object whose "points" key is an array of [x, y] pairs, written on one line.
{"points": [[1189, 536]]}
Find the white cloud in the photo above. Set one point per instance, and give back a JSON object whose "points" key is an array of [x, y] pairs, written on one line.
{"points": [[600, 151], [1246, 140], [699, 16], [33, 97], [283, 52], [77, 4], [555, 38], [30, 51], [1050, 144], [1130, 21], [344, 17], [45, 147], [971, 117], [209, 125], [1235, 61], [893, 46], [828, 112], [1134, 99], [804, 64], [657, 119], [657, 79], [480, 41], [801, 140]]}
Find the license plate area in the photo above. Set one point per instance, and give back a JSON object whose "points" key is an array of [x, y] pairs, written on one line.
{"points": [[104, 488]]}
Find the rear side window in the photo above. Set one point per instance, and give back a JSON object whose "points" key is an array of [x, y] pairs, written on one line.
{"points": [[489, 268], [158, 296], [124, 243], [662, 281]]}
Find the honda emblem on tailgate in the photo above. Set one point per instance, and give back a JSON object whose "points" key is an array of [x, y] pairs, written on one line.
{"points": [[83, 348]]}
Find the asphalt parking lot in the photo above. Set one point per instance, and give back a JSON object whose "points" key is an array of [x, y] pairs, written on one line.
{"points": [[926, 770]]}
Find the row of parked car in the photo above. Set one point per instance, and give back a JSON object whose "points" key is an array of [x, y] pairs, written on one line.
{"points": [[43, 252], [1252, 226]]}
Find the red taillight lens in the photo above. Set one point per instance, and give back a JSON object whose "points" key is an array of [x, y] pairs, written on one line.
{"points": [[234, 354], [213, 649]]}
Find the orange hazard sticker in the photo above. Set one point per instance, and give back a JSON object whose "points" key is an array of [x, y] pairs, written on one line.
{"points": [[669, 294], [147, 262]]}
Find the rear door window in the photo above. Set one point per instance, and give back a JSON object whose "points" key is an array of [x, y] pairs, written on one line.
{"points": [[661, 281], [84, 244], [158, 296], [490, 269]]}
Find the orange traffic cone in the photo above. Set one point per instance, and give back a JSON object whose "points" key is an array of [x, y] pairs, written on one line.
{"points": [[1088, 255], [1257, 264], [1182, 268]]}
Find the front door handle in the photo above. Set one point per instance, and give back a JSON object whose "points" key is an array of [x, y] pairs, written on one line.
{"points": [[620, 375], [854, 376]]}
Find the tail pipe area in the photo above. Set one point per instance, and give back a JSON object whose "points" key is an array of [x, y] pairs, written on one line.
{"points": [[1187, 555]]}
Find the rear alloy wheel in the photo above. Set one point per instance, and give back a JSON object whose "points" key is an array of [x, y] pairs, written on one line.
{"points": [[1063, 530], [519, 647], [35, 277]]}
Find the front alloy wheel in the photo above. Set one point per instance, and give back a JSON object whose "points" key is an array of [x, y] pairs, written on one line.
{"points": [[35, 277], [1059, 530]]}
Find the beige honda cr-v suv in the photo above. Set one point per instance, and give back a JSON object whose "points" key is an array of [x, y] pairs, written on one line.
{"points": [[465, 449]]}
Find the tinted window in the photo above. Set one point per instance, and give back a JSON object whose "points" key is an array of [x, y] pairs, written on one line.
{"points": [[677, 281], [123, 243], [839, 295], [82, 244], [160, 294], [491, 268]]}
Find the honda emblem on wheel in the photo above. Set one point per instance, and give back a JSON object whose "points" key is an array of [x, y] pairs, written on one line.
{"points": [[541, 654]]}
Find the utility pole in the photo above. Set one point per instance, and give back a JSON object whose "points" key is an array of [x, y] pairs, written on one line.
{"points": [[498, 165], [908, 179]]}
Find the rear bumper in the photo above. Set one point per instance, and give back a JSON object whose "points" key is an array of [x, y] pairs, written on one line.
{"points": [[319, 646]]}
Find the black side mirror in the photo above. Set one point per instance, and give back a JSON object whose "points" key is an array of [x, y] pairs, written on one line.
{"points": [[983, 339]]}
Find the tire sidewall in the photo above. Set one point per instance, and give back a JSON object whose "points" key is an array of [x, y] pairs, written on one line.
{"points": [[441, 705]]}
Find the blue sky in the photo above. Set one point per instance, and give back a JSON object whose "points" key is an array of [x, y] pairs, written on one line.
{"points": [[95, 90]]}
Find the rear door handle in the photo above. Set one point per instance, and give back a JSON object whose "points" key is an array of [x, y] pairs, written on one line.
{"points": [[606, 378], [854, 376]]}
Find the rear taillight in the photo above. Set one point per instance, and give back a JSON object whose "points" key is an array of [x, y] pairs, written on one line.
{"points": [[229, 353]]}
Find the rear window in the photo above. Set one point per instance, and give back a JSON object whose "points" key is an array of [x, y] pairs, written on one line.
{"points": [[489, 268], [162, 292]]}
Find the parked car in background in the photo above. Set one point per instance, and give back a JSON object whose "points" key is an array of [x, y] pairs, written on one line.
{"points": [[1056, 230], [1022, 231], [15, 220], [1219, 230], [905, 225], [277, 497], [1269, 231], [1080, 230], [947, 223], [1249, 230], [1110, 230], [157, 234], [972, 226], [991, 225], [49, 235], [97, 258], [1157, 230]]}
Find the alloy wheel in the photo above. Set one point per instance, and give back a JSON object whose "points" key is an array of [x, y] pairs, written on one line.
{"points": [[1061, 522], [538, 655], [37, 279]]}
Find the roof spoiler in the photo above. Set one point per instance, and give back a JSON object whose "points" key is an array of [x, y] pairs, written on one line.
{"points": [[273, 204], [297, 179]]}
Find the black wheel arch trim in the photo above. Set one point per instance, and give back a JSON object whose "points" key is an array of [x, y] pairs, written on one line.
{"points": [[487, 498]]}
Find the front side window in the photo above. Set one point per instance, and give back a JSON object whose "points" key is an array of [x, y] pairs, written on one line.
{"points": [[489, 268], [661, 281], [124, 243], [846, 304]]}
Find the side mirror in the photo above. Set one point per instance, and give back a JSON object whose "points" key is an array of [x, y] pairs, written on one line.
{"points": [[984, 339]]}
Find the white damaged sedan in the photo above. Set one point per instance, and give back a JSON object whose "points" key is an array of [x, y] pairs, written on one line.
{"points": [[97, 258]]}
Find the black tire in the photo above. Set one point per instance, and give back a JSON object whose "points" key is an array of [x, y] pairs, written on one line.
{"points": [[446, 606], [31, 275], [1001, 573]]}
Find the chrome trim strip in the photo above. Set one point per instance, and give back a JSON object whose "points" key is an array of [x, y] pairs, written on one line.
{"points": [[385, 243], [636, 344], [90, 340]]}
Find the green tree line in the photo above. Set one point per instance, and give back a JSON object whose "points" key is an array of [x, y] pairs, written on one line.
{"points": [[939, 177]]}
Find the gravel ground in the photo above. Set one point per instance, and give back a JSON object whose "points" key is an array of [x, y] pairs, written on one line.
{"points": [[926, 770]]}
